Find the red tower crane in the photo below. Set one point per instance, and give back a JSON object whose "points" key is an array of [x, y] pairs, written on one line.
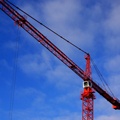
{"points": [[89, 85], [87, 95]]}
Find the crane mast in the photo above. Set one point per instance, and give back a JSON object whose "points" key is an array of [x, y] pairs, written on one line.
{"points": [[88, 84], [87, 95]]}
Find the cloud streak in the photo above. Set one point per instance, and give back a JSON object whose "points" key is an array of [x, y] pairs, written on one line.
{"points": [[89, 25]]}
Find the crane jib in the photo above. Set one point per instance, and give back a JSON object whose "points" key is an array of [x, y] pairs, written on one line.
{"points": [[22, 22]]}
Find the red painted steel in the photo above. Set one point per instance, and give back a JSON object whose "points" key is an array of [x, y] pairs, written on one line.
{"points": [[88, 66], [22, 22], [87, 95], [87, 98]]}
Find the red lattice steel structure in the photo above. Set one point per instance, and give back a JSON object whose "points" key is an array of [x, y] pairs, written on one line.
{"points": [[89, 84], [87, 95], [87, 98]]}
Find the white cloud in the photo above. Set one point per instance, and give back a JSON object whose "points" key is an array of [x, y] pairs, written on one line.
{"points": [[35, 63], [60, 17], [112, 29], [60, 12], [28, 92], [115, 84], [113, 20], [112, 44], [70, 116], [108, 117], [63, 78], [64, 17], [112, 65]]}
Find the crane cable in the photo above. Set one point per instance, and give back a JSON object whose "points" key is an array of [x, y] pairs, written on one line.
{"points": [[95, 66], [47, 28], [102, 78], [13, 85]]}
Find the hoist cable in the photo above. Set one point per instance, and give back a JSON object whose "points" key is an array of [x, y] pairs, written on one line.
{"points": [[47, 28], [95, 66], [101, 77], [13, 85]]}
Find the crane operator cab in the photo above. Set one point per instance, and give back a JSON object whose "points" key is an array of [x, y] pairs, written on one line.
{"points": [[87, 84]]}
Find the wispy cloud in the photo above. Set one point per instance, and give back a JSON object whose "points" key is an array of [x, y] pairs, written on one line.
{"points": [[35, 63], [112, 64], [95, 27], [112, 29], [108, 117]]}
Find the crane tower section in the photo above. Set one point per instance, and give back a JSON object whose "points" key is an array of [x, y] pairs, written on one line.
{"points": [[89, 85], [87, 95]]}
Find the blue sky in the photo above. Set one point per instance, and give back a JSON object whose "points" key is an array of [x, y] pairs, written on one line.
{"points": [[45, 89]]}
